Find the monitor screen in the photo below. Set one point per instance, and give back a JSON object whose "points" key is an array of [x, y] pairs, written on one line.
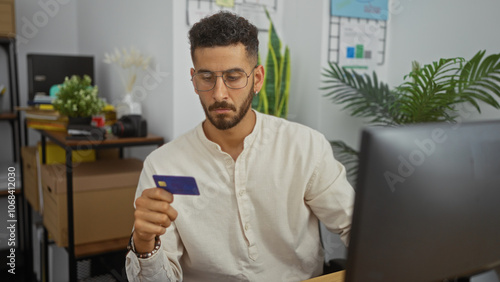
{"points": [[44, 71], [427, 204]]}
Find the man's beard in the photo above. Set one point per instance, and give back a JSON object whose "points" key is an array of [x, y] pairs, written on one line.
{"points": [[220, 121]]}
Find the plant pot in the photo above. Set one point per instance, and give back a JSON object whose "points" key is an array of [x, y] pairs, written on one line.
{"points": [[128, 106], [79, 120]]}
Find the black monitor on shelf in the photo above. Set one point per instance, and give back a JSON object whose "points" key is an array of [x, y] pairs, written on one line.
{"points": [[46, 70], [427, 204]]}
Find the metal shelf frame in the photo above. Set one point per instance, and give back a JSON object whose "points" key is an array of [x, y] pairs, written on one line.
{"points": [[12, 116]]}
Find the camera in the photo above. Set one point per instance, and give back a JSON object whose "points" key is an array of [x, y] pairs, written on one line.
{"points": [[130, 126]]}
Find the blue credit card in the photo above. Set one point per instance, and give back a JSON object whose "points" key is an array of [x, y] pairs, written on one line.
{"points": [[183, 185]]}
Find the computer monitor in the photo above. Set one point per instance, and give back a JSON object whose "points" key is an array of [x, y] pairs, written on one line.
{"points": [[46, 70], [427, 205]]}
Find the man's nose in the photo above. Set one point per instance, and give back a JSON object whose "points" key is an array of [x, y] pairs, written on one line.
{"points": [[220, 89]]}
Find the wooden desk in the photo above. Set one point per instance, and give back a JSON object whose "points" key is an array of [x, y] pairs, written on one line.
{"points": [[332, 277]]}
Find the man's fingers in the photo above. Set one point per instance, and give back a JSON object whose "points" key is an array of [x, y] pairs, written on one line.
{"points": [[160, 219], [172, 213], [153, 213], [155, 206], [158, 194], [147, 230]]}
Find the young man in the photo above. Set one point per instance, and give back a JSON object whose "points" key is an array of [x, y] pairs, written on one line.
{"points": [[264, 181]]}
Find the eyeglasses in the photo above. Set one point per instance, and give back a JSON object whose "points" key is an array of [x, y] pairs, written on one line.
{"points": [[234, 79]]}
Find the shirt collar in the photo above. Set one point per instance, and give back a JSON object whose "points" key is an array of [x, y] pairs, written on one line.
{"points": [[246, 143]]}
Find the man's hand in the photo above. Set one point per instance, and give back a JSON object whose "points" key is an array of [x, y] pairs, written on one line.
{"points": [[153, 214]]}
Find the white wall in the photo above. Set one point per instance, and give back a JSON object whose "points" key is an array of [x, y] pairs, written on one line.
{"points": [[103, 26], [187, 109], [43, 27], [305, 30]]}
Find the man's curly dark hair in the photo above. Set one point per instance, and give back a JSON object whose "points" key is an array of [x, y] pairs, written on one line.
{"points": [[224, 29]]}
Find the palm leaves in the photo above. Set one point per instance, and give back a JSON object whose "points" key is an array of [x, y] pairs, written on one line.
{"points": [[479, 78], [273, 97], [362, 95], [429, 94], [347, 156]]}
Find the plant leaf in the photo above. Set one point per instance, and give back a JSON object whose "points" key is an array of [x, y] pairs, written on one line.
{"points": [[362, 95], [347, 156]]}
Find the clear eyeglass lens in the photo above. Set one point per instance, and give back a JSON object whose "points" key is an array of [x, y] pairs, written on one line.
{"points": [[233, 79]]}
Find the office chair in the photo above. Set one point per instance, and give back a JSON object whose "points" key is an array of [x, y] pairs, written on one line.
{"points": [[334, 251]]}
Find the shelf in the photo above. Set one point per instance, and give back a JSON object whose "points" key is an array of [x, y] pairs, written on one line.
{"points": [[79, 251], [4, 193], [8, 116], [86, 250], [6, 39], [4, 168]]}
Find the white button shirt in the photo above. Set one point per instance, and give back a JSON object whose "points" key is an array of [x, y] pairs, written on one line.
{"points": [[257, 217]]}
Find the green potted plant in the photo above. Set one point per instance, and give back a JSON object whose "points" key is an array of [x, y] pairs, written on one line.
{"points": [[77, 99], [273, 97], [431, 93]]}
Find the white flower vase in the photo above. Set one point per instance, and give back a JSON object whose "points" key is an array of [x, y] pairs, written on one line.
{"points": [[128, 106]]}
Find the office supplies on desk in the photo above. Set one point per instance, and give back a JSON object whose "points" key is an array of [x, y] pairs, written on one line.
{"points": [[85, 132]]}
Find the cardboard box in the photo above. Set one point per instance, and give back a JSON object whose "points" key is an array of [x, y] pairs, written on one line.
{"points": [[31, 161], [30, 176], [55, 154], [103, 196], [7, 18], [108, 153]]}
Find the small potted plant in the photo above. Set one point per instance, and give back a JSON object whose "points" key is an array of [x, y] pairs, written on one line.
{"points": [[77, 99]]}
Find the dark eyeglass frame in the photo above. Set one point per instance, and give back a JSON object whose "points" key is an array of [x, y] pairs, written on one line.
{"points": [[222, 76]]}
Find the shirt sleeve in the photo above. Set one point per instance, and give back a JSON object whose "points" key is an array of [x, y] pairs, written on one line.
{"points": [[329, 194], [163, 265]]}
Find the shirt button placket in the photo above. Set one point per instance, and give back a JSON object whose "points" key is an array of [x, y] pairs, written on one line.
{"points": [[243, 205]]}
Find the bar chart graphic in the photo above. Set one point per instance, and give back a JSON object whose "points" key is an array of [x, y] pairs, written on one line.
{"points": [[356, 42], [358, 52]]}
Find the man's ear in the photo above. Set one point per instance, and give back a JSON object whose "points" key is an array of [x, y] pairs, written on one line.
{"points": [[192, 73], [258, 78]]}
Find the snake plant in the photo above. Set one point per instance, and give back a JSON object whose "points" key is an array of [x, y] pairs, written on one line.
{"points": [[432, 93], [273, 97]]}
